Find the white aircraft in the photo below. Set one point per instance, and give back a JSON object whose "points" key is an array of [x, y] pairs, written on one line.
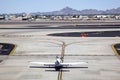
{"points": [[58, 65]]}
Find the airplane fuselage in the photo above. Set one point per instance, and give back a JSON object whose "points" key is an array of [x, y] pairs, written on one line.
{"points": [[58, 65]]}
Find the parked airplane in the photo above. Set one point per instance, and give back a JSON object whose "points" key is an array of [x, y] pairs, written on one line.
{"points": [[58, 65]]}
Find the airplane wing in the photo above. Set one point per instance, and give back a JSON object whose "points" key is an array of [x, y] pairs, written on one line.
{"points": [[41, 65], [74, 65]]}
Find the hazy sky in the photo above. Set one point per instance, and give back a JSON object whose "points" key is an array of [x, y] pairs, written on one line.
{"points": [[17, 6]]}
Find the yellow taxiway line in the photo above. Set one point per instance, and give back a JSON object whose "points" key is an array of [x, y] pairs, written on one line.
{"points": [[115, 51], [62, 56], [12, 51], [60, 75]]}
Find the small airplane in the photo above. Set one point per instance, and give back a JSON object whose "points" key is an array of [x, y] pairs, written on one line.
{"points": [[58, 65]]}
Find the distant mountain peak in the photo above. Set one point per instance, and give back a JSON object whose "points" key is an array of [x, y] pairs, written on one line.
{"points": [[66, 8]]}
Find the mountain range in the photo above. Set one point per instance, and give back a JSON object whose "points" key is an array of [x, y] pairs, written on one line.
{"points": [[71, 11]]}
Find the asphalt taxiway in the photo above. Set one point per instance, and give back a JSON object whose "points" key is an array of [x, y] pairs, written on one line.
{"points": [[36, 45], [6, 48]]}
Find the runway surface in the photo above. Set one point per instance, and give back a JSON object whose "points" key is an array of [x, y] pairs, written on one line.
{"points": [[36, 45], [64, 27]]}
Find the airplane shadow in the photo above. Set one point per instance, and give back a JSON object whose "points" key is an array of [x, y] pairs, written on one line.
{"points": [[57, 71]]}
